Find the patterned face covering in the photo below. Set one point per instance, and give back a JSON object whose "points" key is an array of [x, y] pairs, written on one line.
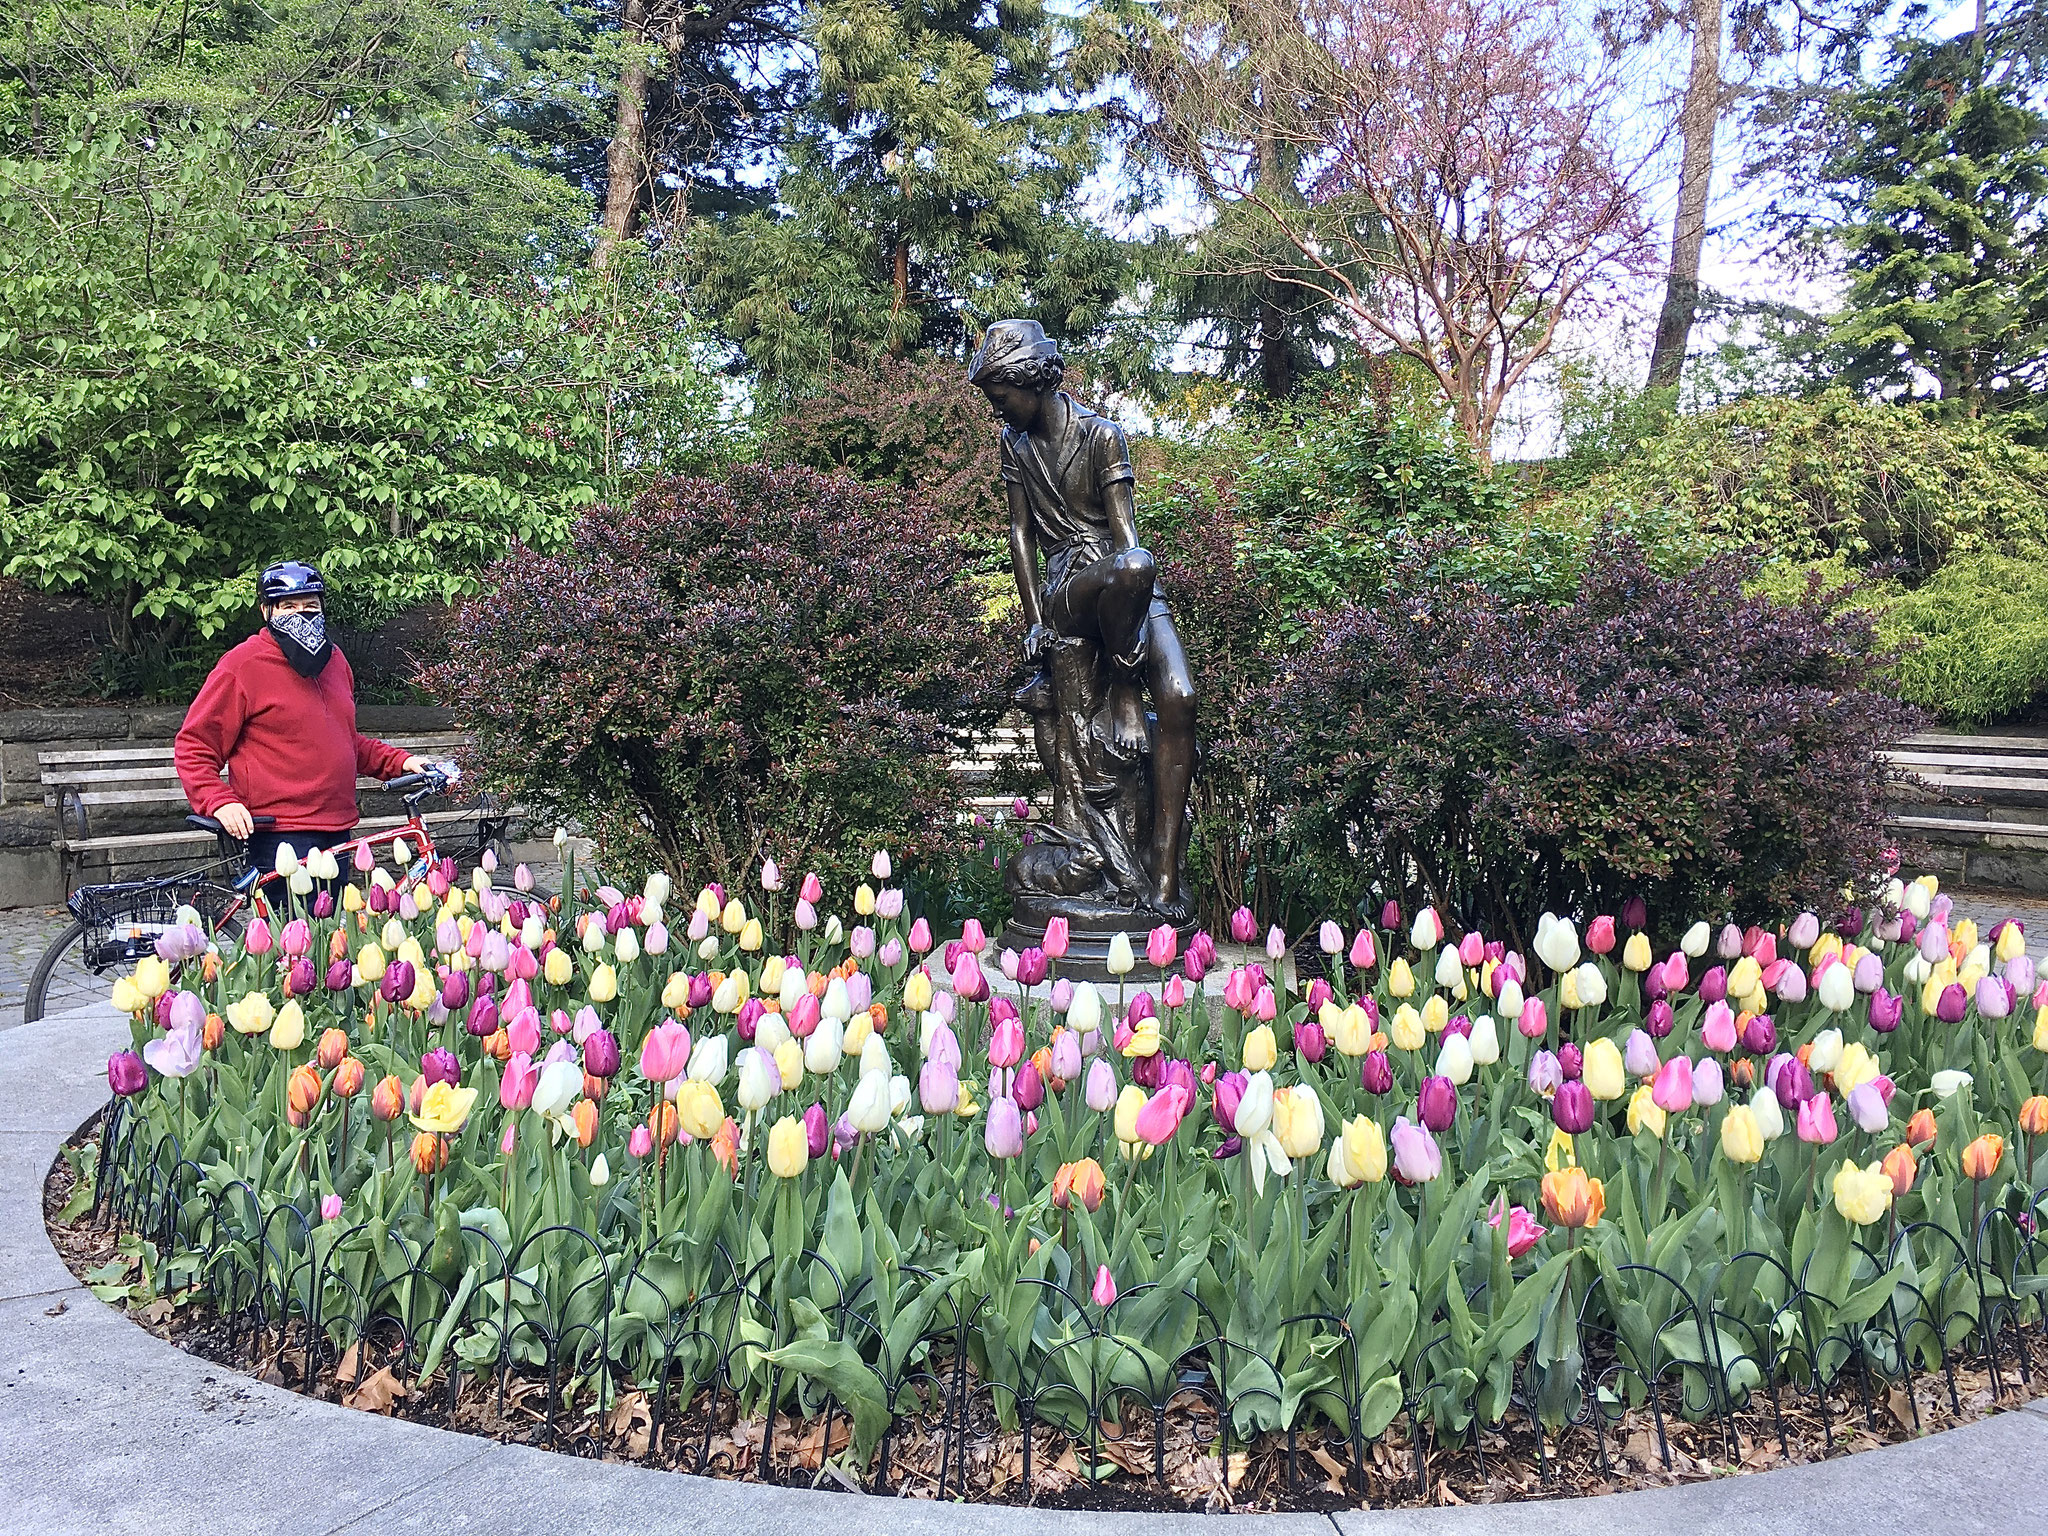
{"points": [[303, 639]]}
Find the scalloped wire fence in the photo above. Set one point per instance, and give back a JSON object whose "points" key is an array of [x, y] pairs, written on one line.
{"points": [[559, 1317]]}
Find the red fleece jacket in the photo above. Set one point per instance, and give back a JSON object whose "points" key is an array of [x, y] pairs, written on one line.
{"points": [[289, 743]]}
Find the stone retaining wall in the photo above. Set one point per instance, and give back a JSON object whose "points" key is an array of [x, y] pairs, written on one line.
{"points": [[30, 872]]}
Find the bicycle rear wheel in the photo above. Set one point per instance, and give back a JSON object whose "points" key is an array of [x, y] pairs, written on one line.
{"points": [[64, 955]]}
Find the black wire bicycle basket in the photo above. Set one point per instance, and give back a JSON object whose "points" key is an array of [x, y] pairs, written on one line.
{"points": [[122, 921]]}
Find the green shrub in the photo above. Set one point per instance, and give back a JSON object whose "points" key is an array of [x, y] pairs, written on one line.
{"points": [[1974, 639], [1803, 479]]}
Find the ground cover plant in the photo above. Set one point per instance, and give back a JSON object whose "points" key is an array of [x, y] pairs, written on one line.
{"points": [[797, 1162]]}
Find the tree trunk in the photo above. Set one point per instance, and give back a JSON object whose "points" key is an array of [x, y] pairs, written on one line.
{"points": [[625, 161], [899, 287], [1276, 351], [1697, 120]]}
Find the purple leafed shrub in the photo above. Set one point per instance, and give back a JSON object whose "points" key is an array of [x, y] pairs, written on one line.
{"points": [[775, 662], [1658, 735]]}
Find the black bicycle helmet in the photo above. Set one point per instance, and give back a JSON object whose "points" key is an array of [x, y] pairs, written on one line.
{"points": [[289, 578]]}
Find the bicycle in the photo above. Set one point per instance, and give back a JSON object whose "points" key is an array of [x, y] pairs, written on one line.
{"points": [[117, 924]]}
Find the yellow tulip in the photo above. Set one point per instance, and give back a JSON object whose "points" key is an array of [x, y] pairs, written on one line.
{"points": [[2011, 942], [1635, 954], [558, 968], [409, 950], [750, 936], [699, 1111], [1831, 944], [2041, 1028], [864, 900], [771, 974], [352, 898], [288, 1033], [917, 991], [1568, 990], [444, 1108], [604, 983], [789, 1152], [1260, 1049], [129, 1000], [1606, 1078], [1128, 1103], [1436, 1013], [250, 1014], [1351, 1029], [734, 918], [152, 977], [1298, 1121], [1408, 1033], [1400, 979], [1855, 1067], [1742, 1139], [858, 1029], [1964, 933], [1560, 1153], [1862, 1195], [1746, 977], [675, 992], [789, 1061], [1144, 1040], [707, 903], [1358, 1155], [1643, 1112]]}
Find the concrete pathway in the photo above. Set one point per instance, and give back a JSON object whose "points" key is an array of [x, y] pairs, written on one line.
{"points": [[105, 1428]]}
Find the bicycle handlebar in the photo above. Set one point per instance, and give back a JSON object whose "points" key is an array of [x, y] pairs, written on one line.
{"points": [[434, 779]]}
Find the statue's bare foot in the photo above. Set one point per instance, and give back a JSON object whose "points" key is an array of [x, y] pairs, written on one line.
{"points": [[1127, 738], [1166, 901]]}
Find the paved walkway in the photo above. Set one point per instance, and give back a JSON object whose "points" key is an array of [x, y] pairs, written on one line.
{"points": [[106, 1428]]}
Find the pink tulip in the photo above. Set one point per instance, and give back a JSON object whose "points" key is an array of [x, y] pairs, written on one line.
{"points": [[1524, 1231], [1471, 948], [1817, 1120], [1175, 992], [1105, 1287], [969, 985], [1534, 1022], [297, 938], [1161, 1116], [257, 941], [1717, 1028], [364, 861], [972, 939], [522, 1031], [665, 1054], [803, 1018], [1364, 953], [1243, 926], [1671, 1091], [812, 890], [1004, 1133], [1162, 945], [517, 1082], [641, 1142], [1600, 935], [1006, 1044]]}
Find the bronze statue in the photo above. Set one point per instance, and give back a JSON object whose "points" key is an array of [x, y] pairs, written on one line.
{"points": [[1110, 854]]}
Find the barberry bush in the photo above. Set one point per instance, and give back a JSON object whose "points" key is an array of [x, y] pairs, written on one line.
{"points": [[769, 663]]}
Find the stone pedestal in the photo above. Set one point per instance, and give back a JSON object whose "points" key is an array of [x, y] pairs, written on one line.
{"points": [[1091, 925]]}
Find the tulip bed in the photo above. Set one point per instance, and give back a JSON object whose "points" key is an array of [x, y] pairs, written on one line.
{"points": [[748, 1162]]}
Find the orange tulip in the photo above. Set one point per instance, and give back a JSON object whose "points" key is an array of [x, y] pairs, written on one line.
{"points": [[348, 1077], [595, 1087], [2034, 1115], [878, 1016], [725, 1146], [337, 945], [1081, 1181], [1901, 1169], [429, 1154], [663, 1122], [1042, 1059], [333, 1046], [216, 1026], [302, 1094], [1572, 1199], [387, 1099], [586, 1122], [1982, 1156], [817, 983], [498, 1045], [1920, 1130]]}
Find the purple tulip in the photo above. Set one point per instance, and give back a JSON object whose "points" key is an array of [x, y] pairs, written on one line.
{"points": [[747, 1022], [455, 990], [1886, 1009], [1655, 987], [700, 990], [1031, 967], [1460, 1025], [1417, 1158], [1228, 1147], [1571, 1061], [126, 1074], [1376, 1073], [440, 1066], [1545, 1075], [1793, 1083], [1311, 1044], [482, 1022], [1954, 1003], [399, 978], [1436, 1104], [1319, 993], [302, 977], [1224, 1099], [1714, 984], [1029, 1088], [1390, 916], [1760, 1036], [1572, 1107], [1850, 924], [817, 1131], [601, 1054], [1149, 1072], [1004, 1135], [1635, 912], [1658, 1020]]}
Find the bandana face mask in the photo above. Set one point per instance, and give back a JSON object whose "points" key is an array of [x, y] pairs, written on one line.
{"points": [[303, 639]]}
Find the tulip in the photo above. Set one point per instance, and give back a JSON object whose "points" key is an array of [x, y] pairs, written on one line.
{"points": [[1390, 916], [1585, 987], [1862, 1195], [1817, 1121], [1994, 997], [1760, 1035], [1066, 1054], [1571, 1061], [1454, 1061], [1920, 1130], [1082, 1181], [1450, 970], [1545, 1075], [1640, 1055], [1902, 1169], [1417, 1158], [1311, 1042], [1644, 1113], [1600, 935], [1437, 1103], [126, 1075], [1534, 1021], [699, 1112], [1162, 945], [1572, 1199], [1557, 942], [1672, 1091], [1029, 1088], [443, 1108], [1006, 1041], [788, 1148], [1604, 1071], [1714, 985], [1427, 931], [1160, 1117], [1949, 1081], [1866, 1107], [1364, 953], [1982, 1156], [1792, 1082], [2034, 1116], [1742, 1137], [1105, 1288]]}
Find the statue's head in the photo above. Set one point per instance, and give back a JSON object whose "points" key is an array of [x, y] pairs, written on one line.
{"points": [[1016, 366]]}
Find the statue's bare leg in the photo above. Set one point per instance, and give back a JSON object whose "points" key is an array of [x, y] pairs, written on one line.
{"points": [[1173, 761], [1120, 615]]}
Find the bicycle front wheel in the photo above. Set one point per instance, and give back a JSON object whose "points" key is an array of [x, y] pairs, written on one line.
{"points": [[64, 956]]}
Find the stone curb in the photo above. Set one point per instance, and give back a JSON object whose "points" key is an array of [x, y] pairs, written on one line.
{"points": [[108, 1428]]}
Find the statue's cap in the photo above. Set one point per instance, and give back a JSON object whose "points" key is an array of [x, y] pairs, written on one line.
{"points": [[1007, 342]]}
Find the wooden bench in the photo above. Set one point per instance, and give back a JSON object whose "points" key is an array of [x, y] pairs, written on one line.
{"points": [[141, 779], [1979, 787]]}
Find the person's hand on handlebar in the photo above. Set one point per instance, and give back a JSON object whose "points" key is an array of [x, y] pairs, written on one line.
{"points": [[418, 764], [235, 820]]}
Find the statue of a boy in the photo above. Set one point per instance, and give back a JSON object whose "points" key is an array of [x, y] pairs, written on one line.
{"points": [[1068, 475]]}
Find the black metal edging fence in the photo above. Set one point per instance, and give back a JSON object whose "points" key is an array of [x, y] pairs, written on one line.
{"points": [[1706, 1358]]}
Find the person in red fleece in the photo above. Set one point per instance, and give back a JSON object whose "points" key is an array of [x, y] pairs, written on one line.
{"points": [[279, 713]]}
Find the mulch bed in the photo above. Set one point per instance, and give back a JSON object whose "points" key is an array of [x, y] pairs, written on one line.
{"points": [[1503, 1465]]}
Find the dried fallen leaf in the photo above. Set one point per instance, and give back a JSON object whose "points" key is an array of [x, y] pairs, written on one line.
{"points": [[1331, 1465], [377, 1394], [58, 1310], [350, 1366]]}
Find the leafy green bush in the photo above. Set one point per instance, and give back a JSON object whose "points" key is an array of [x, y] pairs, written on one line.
{"points": [[1803, 479], [1974, 639], [198, 376]]}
